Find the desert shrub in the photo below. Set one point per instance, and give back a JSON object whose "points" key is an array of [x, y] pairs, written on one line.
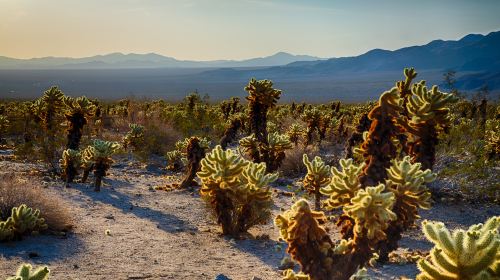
{"points": [[293, 165], [236, 189], [15, 191]]}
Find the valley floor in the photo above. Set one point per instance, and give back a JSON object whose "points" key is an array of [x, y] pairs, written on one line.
{"points": [[170, 235]]}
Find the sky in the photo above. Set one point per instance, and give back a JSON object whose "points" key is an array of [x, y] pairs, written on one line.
{"points": [[234, 29]]}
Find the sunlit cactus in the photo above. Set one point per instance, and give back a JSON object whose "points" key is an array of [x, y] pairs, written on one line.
{"points": [[313, 118], [272, 152], [343, 185], [98, 156], [464, 254], [261, 97], [378, 148], [236, 189], [195, 152], [26, 272], [78, 111], [317, 177], [178, 158], [134, 137], [492, 139], [6, 230], [289, 274], [174, 160], [428, 114], [70, 163], [295, 133], [371, 211], [26, 220]]}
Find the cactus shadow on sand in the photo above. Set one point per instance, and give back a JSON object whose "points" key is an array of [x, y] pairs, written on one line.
{"points": [[128, 203]]}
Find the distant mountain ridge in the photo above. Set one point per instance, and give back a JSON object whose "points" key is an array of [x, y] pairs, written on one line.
{"points": [[150, 60]]}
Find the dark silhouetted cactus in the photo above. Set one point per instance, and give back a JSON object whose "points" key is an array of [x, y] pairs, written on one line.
{"points": [[195, 153]]}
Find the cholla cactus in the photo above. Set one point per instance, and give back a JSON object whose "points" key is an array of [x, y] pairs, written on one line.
{"points": [[289, 274], [364, 124], [134, 137], [24, 272], [313, 118], [6, 230], [428, 112], [98, 156], [470, 254], [371, 211], [236, 189], [295, 132], [272, 152], [174, 160], [195, 153], [378, 148], [343, 185], [25, 220], [492, 138], [261, 97], [317, 177], [4, 124], [70, 163], [77, 114]]}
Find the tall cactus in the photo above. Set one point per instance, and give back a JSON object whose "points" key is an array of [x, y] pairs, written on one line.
{"points": [[317, 177], [428, 114], [464, 254], [261, 97], [98, 156], [378, 149], [195, 153], [79, 110]]}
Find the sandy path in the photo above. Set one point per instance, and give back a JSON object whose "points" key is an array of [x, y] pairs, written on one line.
{"points": [[170, 235]]}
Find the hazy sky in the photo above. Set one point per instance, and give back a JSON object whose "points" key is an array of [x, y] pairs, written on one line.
{"points": [[234, 29]]}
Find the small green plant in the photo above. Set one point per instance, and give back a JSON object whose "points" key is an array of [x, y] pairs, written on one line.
{"points": [[236, 189], [98, 157], [26, 272], [464, 254], [317, 177]]}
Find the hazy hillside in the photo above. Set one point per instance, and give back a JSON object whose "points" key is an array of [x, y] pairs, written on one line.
{"points": [[151, 60], [475, 58]]}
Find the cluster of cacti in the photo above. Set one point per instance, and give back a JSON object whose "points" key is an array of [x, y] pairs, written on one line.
{"points": [[236, 189], [315, 123], [317, 177], [23, 220], [4, 124], [134, 137], [231, 131], [295, 132], [272, 152], [372, 221], [26, 272], [97, 157], [178, 159], [464, 254], [492, 138]]}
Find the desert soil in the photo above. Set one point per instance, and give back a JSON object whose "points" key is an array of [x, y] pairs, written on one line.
{"points": [[171, 235]]}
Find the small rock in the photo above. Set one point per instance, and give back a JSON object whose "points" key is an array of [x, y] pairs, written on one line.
{"points": [[222, 277], [256, 278], [109, 217], [75, 266]]}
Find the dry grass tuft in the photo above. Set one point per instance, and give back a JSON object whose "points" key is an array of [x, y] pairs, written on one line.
{"points": [[15, 191], [292, 165]]}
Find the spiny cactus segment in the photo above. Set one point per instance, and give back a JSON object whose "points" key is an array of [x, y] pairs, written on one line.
{"points": [[26, 272], [343, 185], [464, 254], [317, 177]]}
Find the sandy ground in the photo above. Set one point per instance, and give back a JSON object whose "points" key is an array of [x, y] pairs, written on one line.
{"points": [[170, 235]]}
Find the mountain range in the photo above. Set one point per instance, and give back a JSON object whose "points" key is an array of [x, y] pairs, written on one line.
{"points": [[475, 58], [150, 60]]}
